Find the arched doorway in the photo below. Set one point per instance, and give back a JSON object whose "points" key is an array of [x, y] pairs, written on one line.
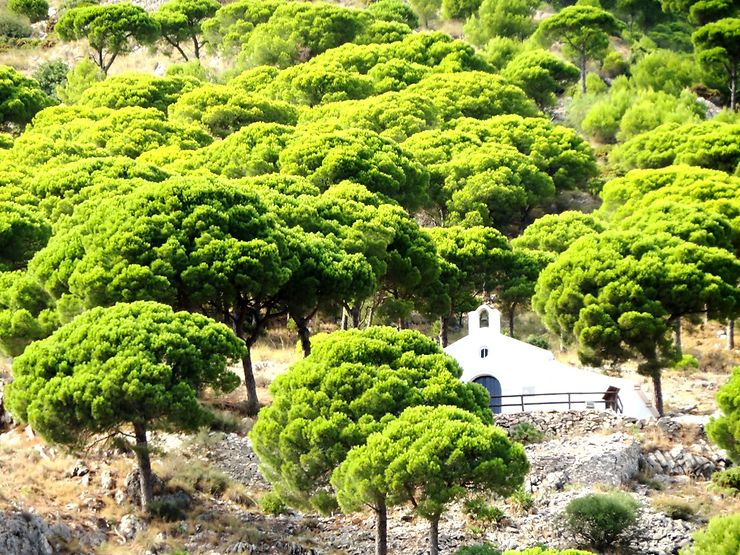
{"points": [[494, 390]]}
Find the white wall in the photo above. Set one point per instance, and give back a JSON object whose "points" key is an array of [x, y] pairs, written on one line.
{"points": [[522, 368]]}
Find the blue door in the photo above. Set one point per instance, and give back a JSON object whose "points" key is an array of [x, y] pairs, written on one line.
{"points": [[494, 390]]}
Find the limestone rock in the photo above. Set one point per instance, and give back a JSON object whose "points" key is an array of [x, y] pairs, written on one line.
{"points": [[23, 533], [130, 526]]}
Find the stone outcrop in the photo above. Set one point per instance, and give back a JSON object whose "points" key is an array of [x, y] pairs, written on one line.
{"points": [[24, 533], [684, 461], [611, 460]]}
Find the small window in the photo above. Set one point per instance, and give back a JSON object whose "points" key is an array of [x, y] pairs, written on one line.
{"points": [[483, 320], [484, 352]]}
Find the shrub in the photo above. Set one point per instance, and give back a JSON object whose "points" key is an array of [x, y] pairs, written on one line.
{"points": [[614, 64], [721, 537], [677, 509], [521, 500], [51, 75], [273, 504], [193, 476], [728, 480], [687, 362], [35, 10], [479, 509], [539, 341], [547, 551], [167, 510], [526, 433], [478, 549], [14, 26], [601, 520], [394, 10]]}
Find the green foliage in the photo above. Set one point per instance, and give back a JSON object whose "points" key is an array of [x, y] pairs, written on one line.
{"points": [[181, 21], [687, 362], [459, 9], [137, 89], [197, 477], [584, 30], [479, 509], [539, 341], [720, 537], [728, 480], [167, 510], [361, 156], [541, 75], [555, 233], [222, 109], [350, 386], [272, 504], [27, 312], [426, 9], [298, 31], [676, 509], [394, 10], [547, 551], [711, 144], [718, 44], [526, 433], [23, 231], [20, 97], [479, 549], [521, 500], [80, 78], [35, 10], [725, 430], [110, 30], [665, 70], [601, 520], [14, 26], [499, 51], [433, 455], [139, 363], [51, 75], [499, 18]]}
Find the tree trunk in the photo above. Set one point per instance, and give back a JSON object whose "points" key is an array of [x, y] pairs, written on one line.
{"points": [[344, 321], [677, 333], [434, 535], [512, 311], [145, 465], [730, 334], [658, 392], [733, 88], [583, 72], [355, 315], [304, 335], [196, 47], [381, 529], [250, 384], [443, 324]]}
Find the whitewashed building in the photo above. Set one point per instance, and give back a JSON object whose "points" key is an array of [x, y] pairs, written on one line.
{"points": [[520, 376]]}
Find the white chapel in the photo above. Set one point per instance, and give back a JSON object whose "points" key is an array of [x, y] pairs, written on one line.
{"points": [[520, 376]]}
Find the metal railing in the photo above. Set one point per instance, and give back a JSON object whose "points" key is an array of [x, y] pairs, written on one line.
{"points": [[610, 399]]}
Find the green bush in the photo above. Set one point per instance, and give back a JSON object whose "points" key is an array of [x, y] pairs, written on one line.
{"points": [[478, 549], [51, 75], [601, 520], [394, 10], [35, 10], [165, 509], [614, 64], [479, 509], [272, 503], [728, 480], [547, 551], [14, 26], [526, 433], [521, 500], [677, 509], [539, 341], [687, 362], [720, 537]]}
